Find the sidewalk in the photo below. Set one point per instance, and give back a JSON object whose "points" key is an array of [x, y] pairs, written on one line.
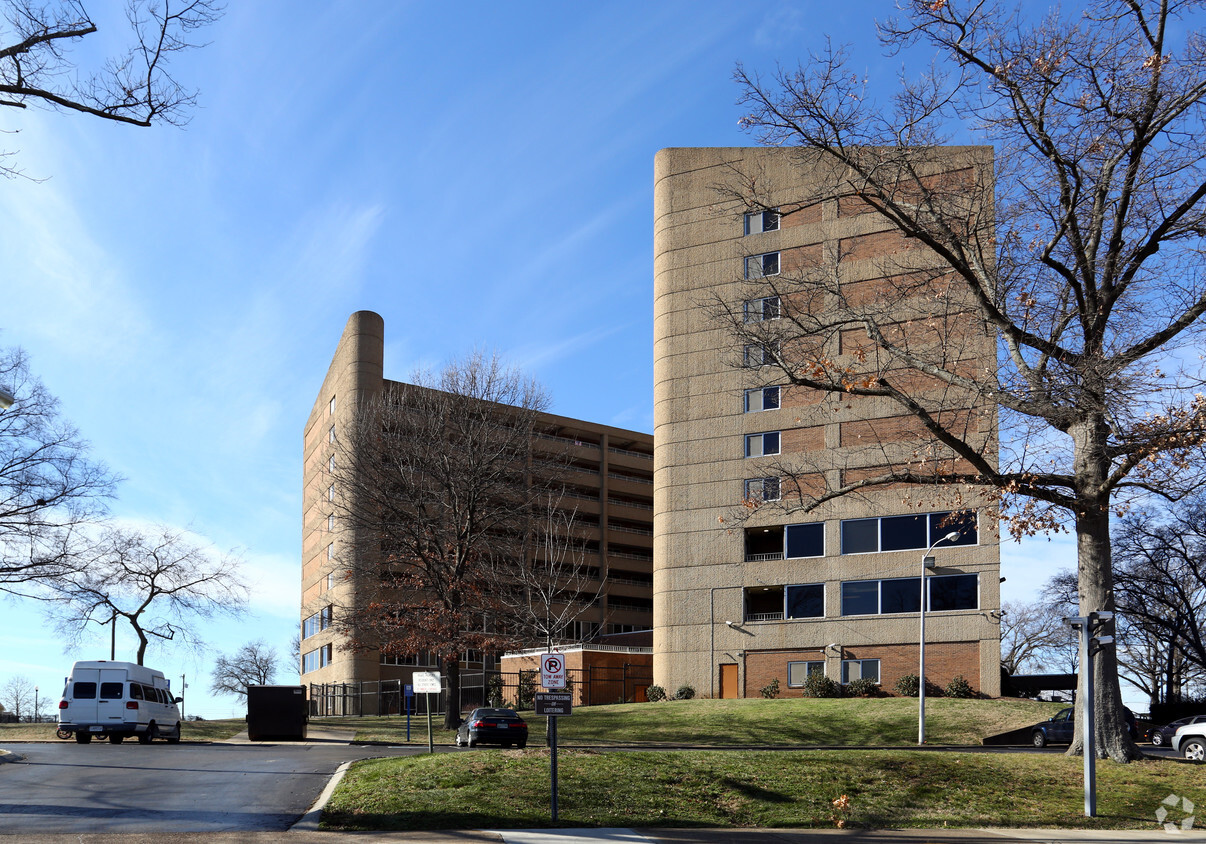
{"points": [[642, 836]]}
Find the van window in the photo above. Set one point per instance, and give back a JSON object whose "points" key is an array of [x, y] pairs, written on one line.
{"points": [[84, 691], [159, 696], [136, 691], [111, 691], [149, 693]]}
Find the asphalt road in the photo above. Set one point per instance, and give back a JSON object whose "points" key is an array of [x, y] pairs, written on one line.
{"points": [[65, 787]]}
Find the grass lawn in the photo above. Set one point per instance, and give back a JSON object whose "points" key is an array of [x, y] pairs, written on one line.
{"points": [[491, 788], [191, 730], [783, 722]]}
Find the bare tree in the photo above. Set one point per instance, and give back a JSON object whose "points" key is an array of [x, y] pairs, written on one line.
{"points": [[158, 583], [49, 487], [435, 477], [17, 695], [1032, 635], [1079, 250], [135, 87], [544, 590], [1161, 589], [254, 664]]}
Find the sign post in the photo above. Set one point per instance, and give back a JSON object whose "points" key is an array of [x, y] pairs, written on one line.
{"points": [[427, 683], [552, 704], [410, 695]]}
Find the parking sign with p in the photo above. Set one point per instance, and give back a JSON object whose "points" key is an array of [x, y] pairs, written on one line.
{"points": [[552, 671]]}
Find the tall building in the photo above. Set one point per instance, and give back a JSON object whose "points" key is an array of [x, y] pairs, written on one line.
{"points": [[745, 594], [610, 483]]}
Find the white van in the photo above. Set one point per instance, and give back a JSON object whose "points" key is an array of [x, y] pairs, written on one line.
{"points": [[116, 700]]}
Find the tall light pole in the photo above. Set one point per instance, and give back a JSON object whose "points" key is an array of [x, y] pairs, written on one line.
{"points": [[6, 399], [927, 562]]}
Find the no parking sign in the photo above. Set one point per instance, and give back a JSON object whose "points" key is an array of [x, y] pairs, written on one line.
{"points": [[552, 671]]}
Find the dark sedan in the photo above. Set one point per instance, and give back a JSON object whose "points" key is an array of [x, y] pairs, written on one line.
{"points": [[1060, 728], [493, 726], [1161, 736]]}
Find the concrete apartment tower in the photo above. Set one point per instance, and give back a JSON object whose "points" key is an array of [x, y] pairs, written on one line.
{"points": [[609, 485], [739, 602]]}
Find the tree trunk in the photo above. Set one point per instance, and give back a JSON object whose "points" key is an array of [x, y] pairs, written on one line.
{"points": [[1095, 582], [452, 705]]}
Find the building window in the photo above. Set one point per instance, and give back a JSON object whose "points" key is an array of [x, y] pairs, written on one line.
{"points": [[764, 398], [762, 489], [761, 221], [331, 463], [331, 434], [903, 594], [331, 406], [907, 533], [331, 492], [759, 310], [330, 580], [761, 266], [316, 659], [759, 354], [798, 672], [331, 551], [316, 623], [860, 669], [806, 540], [330, 522], [806, 601], [760, 445], [860, 597], [421, 659]]}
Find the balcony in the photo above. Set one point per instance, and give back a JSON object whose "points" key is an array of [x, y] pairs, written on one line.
{"points": [[763, 544], [764, 616]]}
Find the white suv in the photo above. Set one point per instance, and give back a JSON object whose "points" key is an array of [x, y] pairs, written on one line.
{"points": [[1190, 742]]}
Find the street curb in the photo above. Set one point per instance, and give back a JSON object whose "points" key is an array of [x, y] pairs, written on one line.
{"points": [[9, 756], [309, 821]]}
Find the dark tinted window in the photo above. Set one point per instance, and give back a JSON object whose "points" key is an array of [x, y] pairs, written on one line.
{"points": [[111, 691], [955, 592], [806, 540], [900, 533], [963, 523], [136, 691], [806, 601], [84, 691], [860, 536], [900, 595], [860, 597]]}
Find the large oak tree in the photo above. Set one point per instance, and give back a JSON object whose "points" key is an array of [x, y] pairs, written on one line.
{"points": [[1080, 250]]}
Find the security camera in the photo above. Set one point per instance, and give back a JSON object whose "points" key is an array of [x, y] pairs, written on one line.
{"points": [[729, 623]]}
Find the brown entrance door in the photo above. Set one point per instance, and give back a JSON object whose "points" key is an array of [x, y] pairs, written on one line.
{"points": [[728, 680]]}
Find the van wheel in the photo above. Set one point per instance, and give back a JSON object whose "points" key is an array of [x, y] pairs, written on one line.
{"points": [[115, 738], [151, 732], [83, 738], [174, 738]]}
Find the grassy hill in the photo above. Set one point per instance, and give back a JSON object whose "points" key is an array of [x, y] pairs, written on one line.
{"points": [[790, 722]]}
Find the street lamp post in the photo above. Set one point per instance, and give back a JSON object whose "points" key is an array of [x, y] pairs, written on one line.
{"points": [[927, 562]]}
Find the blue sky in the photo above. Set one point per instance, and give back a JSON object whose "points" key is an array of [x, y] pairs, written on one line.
{"points": [[480, 167]]}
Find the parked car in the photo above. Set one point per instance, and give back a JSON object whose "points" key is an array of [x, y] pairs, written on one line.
{"points": [[493, 726], [1161, 736], [1061, 727], [1190, 741]]}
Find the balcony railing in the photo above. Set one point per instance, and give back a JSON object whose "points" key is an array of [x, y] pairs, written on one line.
{"points": [[631, 478], [762, 558], [626, 529], [629, 556], [640, 454], [639, 505], [567, 440], [765, 616]]}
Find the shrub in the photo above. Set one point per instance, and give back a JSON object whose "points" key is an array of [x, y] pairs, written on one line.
{"points": [[908, 685], [818, 685], [959, 687], [685, 692], [862, 687], [527, 689], [771, 690], [495, 690], [655, 693]]}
